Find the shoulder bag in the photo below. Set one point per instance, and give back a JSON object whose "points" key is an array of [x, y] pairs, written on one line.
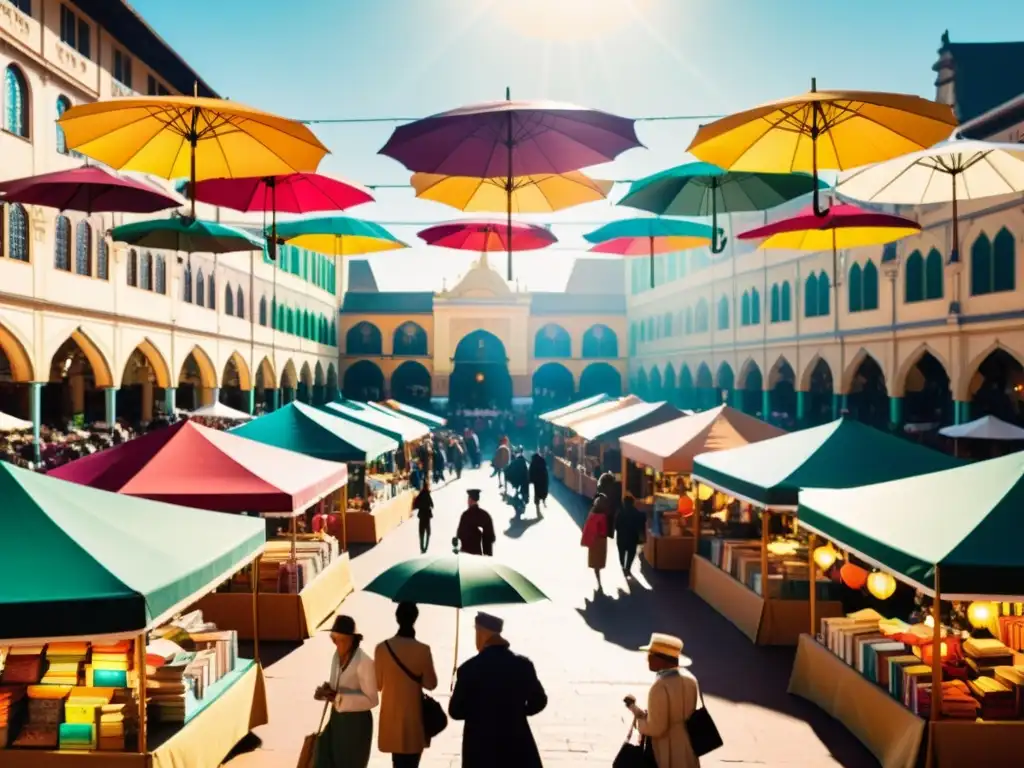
{"points": [[704, 735], [632, 755], [434, 718], [308, 752]]}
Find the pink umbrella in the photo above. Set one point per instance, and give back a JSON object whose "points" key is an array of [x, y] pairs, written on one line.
{"points": [[88, 189], [482, 236]]}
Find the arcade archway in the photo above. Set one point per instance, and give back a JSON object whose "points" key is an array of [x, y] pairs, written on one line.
{"points": [[751, 390], [687, 394], [318, 384], [997, 387], [704, 385], [600, 378], [332, 382], [553, 386], [363, 381], [726, 383], [74, 392], [264, 382], [234, 384], [868, 399], [410, 383], [305, 394], [820, 394], [480, 378], [142, 392], [15, 373], [927, 398], [782, 393], [196, 381]]}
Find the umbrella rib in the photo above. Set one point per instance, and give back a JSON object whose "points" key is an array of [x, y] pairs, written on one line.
{"points": [[995, 170]]}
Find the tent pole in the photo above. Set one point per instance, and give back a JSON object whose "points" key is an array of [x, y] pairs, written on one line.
{"points": [[255, 578], [765, 520], [140, 654], [696, 516], [936, 712], [812, 569], [625, 472]]}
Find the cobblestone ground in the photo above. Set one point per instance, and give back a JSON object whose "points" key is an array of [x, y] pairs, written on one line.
{"points": [[583, 645]]}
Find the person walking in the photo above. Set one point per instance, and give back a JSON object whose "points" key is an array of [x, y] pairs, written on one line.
{"points": [[495, 693], [595, 536], [424, 506], [629, 528], [457, 456], [670, 703], [405, 668], [351, 689], [440, 462], [475, 534], [539, 478], [500, 462]]}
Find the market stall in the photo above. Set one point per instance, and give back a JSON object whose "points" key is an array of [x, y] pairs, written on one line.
{"points": [[431, 420], [656, 466], [949, 536], [81, 641], [302, 577], [376, 499], [408, 432], [571, 462], [991, 432], [754, 571]]}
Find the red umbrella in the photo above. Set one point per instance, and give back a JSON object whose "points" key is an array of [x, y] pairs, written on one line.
{"points": [[842, 226], [88, 189], [481, 236]]}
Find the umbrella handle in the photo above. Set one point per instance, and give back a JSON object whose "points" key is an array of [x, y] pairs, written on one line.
{"points": [[717, 247], [455, 661]]}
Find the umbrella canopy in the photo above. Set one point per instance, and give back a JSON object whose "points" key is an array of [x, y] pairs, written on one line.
{"points": [[649, 236], [338, 235], [985, 428], [612, 426], [946, 173], [88, 189], [10, 423], [843, 226], [309, 431], [185, 234], [958, 520], [220, 411], [120, 565], [835, 130], [196, 466], [571, 419], [543, 193], [702, 189], [432, 421], [511, 138], [771, 473], [192, 137], [672, 446], [283, 193], [485, 236], [455, 581], [579, 405], [387, 423]]}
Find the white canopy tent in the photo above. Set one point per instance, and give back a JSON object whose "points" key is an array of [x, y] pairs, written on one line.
{"points": [[985, 428], [220, 411], [10, 423]]}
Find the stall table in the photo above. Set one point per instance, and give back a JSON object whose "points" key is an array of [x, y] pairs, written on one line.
{"points": [[370, 527], [669, 553]]}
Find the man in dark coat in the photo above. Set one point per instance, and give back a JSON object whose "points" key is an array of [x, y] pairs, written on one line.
{"points": [[495, 692], [539, 478], [476, 528]]}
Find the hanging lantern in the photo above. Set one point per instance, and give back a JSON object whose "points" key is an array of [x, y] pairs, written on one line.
{"points": [[705, 492], [825, 557], [853, 576], [981, 613], [881, 585]]}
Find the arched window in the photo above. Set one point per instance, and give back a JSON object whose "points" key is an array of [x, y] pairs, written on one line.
{"points": [[755, 306], [688, 321], [160, 276], [229, 300], [745, 309], [824, 290], [914, 279], [811, 296], [63, 105], [83, 249], [200, 288], [186, 279], [633, 338], [643, 331], [855, 289], [787, 303], [933, 278], [723, 314], [102, 258], [211, 291], [1004, 277], [870, 286], [16, 102], [17, 232], [62, 244], [132, 269], [239, 303], [701, 319], [281, 318], [666, 321], [334, 334], [650, 329], [263, 311], [146, 271], [776, 308]]}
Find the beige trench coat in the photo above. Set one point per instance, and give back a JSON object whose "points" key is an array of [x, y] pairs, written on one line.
{"points": [[401, 714], [671, 701]]}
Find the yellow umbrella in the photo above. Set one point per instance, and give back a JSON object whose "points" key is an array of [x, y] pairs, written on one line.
{"points": [[835, 130], [542, 193], [188, 136]]}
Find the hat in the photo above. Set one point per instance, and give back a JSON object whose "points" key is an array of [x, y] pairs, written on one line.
{"points": [[474, 494], [489, 622], [667, 645], [345, 625]]}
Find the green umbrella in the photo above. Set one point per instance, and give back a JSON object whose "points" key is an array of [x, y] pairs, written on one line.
{"points": [[457, 581], [702, 189], [180, 233]]}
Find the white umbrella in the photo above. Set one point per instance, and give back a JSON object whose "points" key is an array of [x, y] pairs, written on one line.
{"points": [[954, 170], [220, 411], [10, 423], [985, 428]]}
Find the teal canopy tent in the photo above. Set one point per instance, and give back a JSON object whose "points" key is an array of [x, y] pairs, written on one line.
{"points": [[398, 429]]}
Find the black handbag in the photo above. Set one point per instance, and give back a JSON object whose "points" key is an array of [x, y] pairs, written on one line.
{"points": [[635, 755], [434, 718], [704, 735]]}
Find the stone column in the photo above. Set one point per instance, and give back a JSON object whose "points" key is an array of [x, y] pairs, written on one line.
{"points": [[896, 411], [251, 401], [110, 406], [766, 404], [214, 397], [801, 408], [275, 399], [35, 410], [170, 401], [961, 412]]}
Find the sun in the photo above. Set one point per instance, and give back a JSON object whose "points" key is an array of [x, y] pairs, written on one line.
{"points": [[570, 19]]}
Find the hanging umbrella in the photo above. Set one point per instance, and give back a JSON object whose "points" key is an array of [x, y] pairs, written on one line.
{"points": [[648, 237], [455, 581], [702, 189], [843, 226], [188, 136], [487, 236], [88, 189], [184, 234], [339, 235], [506, 139], [542, 193], [834, 130], [946, 173]]}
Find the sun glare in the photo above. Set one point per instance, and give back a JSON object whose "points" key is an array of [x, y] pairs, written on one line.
{"points": [[570, 19]]}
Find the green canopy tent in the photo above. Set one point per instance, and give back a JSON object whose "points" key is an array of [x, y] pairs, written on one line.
{"points": [[76, 562], [403, 418], [404, 431], [431, 420], [841, 454]]}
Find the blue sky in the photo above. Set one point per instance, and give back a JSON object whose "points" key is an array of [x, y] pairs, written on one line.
{"points": [[323, 59]]}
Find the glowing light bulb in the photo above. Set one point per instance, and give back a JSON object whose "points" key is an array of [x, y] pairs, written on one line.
{"points": [[981, 613], [825, 557], [881, 585]]}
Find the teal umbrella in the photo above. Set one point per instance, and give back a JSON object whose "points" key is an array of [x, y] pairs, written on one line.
{"points": [[649, 236], [338, 235], [457, 581], [702, 189], [186, 234]]}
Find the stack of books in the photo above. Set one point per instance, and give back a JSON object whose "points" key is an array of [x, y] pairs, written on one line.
{"points": [[110, 665], [12, 709], [45, 714], [224, 644], [117, 719], [23, 665], [166, 688], [64, 663], [985, 654], [998, 702]]}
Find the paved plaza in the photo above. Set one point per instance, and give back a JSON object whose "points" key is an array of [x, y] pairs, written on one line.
{"points": [[583, 646]]}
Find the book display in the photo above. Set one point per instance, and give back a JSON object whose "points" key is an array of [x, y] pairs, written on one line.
{"points": [[377, 505]]}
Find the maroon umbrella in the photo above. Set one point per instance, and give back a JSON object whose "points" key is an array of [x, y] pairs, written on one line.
{"points": [[88, 189], [511, 138], [482, 236]]}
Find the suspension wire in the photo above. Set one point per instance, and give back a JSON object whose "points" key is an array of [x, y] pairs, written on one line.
{"points": [[367, 120]]}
